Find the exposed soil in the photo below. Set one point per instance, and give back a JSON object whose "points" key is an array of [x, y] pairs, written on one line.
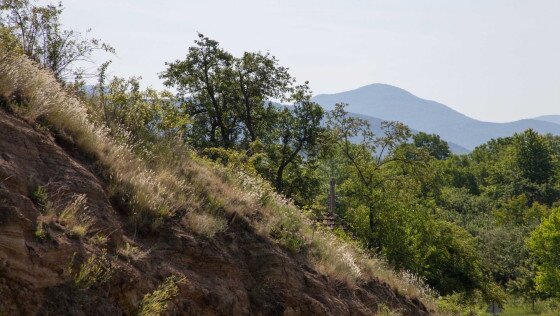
{"points": [[237, 272]]}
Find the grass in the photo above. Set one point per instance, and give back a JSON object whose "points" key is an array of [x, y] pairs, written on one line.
{"points": [[541, 308], [95, 270], [131, 252], [205, 224], [40, 198], [73, 217], [150, 194], [171, 177], [157, 302]]}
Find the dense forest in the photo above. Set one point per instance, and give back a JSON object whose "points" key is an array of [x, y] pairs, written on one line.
{"points": [[475, 229]]}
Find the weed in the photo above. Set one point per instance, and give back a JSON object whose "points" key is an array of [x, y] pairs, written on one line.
{"points": [[40, 198], [205, 224], [157, 302], [73, 218], [99, 240], [384, 310], [96, 270], [131, 252], [40, 232]]}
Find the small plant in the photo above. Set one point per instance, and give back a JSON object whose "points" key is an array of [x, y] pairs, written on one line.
{"points": [[40, 232], [77, 224], [385, 310], [96, 270], [156, 303], [205, 224], [131, 252], [99, 240], [288, 232], [40, 198]]}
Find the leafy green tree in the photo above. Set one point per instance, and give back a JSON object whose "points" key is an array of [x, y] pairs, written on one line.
{"points": [[203, 82], [143, 115], [544, 245], [259, 78], [367, 158], [298, 130], [533, 156], [42, 37], [437, 147]]}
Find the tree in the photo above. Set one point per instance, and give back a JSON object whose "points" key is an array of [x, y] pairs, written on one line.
{"points": [[437, 147], [544, 246], [298, 128], [259, 78], [228, 98], [203, 82], [371, 154], [43, 39], [533, 156]]}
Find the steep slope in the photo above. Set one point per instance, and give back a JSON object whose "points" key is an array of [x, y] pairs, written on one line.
{"points": [[236, 272], [53, 159], [392, 103]]}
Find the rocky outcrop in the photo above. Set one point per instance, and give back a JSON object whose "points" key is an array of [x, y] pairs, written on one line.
{"points": [[237, 272]]}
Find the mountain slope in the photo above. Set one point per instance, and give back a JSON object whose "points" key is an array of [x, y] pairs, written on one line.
{"points": [[375, 124], [392, 103], [549, 118]]}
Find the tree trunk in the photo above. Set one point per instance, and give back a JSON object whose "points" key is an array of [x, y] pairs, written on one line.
{"points": [[371, 219]]}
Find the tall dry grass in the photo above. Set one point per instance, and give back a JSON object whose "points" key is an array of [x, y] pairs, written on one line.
{"points": [[151, 195], [176, 178]]}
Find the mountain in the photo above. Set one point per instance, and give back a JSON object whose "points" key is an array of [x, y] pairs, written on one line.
{"points": [[375, 123], [549, 118], [392, 103]]}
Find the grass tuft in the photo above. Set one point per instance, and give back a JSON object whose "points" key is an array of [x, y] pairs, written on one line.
{"points": [[96, 270], [157, 302]]}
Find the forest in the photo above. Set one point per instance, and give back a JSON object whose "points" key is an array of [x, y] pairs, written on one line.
{"points": [[478, 228]]}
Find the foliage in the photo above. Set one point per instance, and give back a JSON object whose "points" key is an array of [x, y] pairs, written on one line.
{"points": [[544, 244], [42, 37], [437, 147], [96, 269], [74, 217], [157, 302], [41, 198]]}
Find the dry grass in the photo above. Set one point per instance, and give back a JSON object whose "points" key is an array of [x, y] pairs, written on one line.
{"points": [[131, 252], [74, 217], [205, 224], [156, 192], [150, 194]]}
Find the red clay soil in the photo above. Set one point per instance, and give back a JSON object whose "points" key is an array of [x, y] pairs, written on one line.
{"points": [[237, 272]]}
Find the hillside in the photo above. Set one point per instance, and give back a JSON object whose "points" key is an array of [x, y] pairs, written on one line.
{"points": [[391, 103], [88, 227]]}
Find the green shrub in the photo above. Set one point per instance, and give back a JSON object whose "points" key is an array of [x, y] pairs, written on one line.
{"points": [[96, 270], [40, 198], [156, 303]]}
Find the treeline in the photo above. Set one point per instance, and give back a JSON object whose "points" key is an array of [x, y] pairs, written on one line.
{"points": [[476, 228]]}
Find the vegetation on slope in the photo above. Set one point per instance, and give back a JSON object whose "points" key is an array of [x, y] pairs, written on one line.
{"points": [[157, 176], [474, 228]]}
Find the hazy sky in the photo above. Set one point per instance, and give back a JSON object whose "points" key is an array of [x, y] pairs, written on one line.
{"points": [[492, 60]]}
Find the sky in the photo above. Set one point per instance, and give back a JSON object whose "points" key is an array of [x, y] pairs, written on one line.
{"points": [[493, 60]]}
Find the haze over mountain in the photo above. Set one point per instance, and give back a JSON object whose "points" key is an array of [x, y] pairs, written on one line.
{"points": [[388, 102], [549, 118]]}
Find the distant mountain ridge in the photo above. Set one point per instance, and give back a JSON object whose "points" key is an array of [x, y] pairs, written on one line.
{"points": [[549, 118], [388, 102]]}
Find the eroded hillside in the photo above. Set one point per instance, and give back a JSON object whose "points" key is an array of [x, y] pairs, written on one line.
{"points": [[67, 245]]}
